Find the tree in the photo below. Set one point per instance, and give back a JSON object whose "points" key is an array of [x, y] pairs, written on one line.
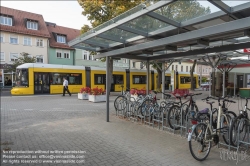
{"points": [[25, 58], [101, 11], [192, 75], [178, 11]]}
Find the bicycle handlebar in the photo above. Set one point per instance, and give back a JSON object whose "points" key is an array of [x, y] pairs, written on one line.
{"points": [[219, 98]]}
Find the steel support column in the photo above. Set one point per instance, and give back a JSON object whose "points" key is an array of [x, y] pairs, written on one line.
{"points": [[148, 75], [201, 76], [223, 88], [210, 83], [107, 87], [163, 79], [234, 83]]}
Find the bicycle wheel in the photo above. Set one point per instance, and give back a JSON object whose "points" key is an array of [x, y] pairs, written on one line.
{"points": [[198, 146], [143, 106], [174, 117], [238, 130], [186, 112], [120, 103], [225, 125]]}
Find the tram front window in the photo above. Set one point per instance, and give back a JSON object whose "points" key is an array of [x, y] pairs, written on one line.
{"points": [[22, 77]]}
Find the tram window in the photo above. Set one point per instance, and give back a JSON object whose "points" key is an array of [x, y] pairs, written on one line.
{"points": [[185, 80], [22, 77], [73, 79], [100, 78], [139, 79], [118, 79]]}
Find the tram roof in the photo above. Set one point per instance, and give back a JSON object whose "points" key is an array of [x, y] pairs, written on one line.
{"points": [[146, 33]]}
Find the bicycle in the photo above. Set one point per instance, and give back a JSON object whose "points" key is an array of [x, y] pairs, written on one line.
{"points": [[238, 128], [204, 133], [177, 114], [229, 114]]}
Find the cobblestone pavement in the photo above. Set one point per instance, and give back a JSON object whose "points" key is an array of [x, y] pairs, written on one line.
{"points": [[50, 123]]}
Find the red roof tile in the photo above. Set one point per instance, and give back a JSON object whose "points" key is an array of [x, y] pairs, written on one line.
{"points": [[68, 32], [19, 22]]}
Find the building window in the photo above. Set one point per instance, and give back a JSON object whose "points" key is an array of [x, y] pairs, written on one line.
{"points": [[39, 42], [199, 69], [39, 59], [186, 68], [58, 54], [6, 20], [2, 38], [32, 25], [176, 67], [85, 55], [133, 64], [61, 39], [172, 67], [13, 39], [13, 57], [66, 55], [181, 68], [27, 41], [2, 56]]}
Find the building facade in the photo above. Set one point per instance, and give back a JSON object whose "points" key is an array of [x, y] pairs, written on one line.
{"points": [[21, 32]]}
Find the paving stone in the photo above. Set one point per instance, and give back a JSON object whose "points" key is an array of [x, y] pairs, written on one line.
{"points": [[56, 123]]}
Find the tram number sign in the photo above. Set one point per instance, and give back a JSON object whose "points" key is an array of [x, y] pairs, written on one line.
{"points": [[247, 50]]}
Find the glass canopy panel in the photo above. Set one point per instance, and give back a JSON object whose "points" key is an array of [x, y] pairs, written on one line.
{"points": [[180, 11], [86, 46], [120, 34], [101, 40], [146, 24], [234, 3]]}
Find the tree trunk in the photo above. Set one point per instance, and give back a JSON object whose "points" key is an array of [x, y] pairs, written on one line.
{"points": [[110, 72], [158, 84], [192, 75]]}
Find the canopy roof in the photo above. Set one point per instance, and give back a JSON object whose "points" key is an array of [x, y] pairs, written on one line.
{"points": [[149, 32]]}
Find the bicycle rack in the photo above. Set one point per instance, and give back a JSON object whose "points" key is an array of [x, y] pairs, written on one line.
{"points": [[229, 146], [158, 116], [148, 114], [248, 136], [133, 111]]}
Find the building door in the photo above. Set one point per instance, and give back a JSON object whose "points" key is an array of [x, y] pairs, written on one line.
{"points": [[239, 81], [41, 83]]}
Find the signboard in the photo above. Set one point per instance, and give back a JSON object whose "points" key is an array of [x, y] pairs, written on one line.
{"points": [[247, 50], [172, 80]]}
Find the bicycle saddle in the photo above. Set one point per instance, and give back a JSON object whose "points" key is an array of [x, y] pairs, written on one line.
{"points": [[204, 111]]}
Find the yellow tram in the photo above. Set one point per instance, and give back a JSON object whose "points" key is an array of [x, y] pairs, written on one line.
{"points": [[35, 78]]}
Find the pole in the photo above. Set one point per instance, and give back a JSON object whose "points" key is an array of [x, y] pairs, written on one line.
{"points": [[163, 79], [210, 83], [107, 87], [3, 81], [223, 88], [234, 83], [147, 77], [201, 76]]}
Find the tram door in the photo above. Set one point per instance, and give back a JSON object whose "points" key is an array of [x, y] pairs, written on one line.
{"points": [[41, 83]]}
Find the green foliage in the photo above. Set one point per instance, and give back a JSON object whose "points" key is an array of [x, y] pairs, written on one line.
{"points": [[204, 79], [100, 11], [24, 58]]}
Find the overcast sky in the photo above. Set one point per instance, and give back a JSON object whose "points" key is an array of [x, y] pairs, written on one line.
{"points": [[68, 13]]}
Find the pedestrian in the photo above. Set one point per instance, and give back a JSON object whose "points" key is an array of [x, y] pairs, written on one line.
{"points": [[65, 87]]}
